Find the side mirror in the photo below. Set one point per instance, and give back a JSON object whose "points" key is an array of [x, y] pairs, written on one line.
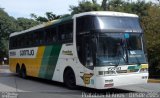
{"points": [[126, 36]]}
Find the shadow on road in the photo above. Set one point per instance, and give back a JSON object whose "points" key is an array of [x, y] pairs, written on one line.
{"points": [[79, 88], [50, 86]]}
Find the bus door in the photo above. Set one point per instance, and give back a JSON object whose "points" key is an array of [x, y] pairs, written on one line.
{"points": [[88, 59], [85, 55]]}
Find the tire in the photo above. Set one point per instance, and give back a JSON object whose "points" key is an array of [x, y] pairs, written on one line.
{"points": [[18, 71], [23, 73], [69, 79]]}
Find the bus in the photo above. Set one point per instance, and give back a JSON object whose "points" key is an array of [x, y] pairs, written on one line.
{"points": [[97, 49]]}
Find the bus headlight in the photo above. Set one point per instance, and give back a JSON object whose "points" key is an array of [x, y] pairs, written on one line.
{"points": [[101, 73], [144, 70], [106, 72]]}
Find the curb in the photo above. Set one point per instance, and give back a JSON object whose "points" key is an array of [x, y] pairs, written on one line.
{"points": [[153, 80]]}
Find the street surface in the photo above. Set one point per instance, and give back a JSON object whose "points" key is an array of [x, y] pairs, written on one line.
{"points": [[15, 87]]}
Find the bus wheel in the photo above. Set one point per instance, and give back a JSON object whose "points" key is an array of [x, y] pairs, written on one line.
{"points": [[18, 70], [23, 72], [69, 79]]}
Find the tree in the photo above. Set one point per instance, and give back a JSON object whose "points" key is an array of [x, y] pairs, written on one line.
{"points": [[94, 1], [85, 6], [140, 8], [7, 26], [25, 23], [49, 17], [39, 18], [151, 25], [65, 15], [104, 5], [34, 16], [116, 5]]}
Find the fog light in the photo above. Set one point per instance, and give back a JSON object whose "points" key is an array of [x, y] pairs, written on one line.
{"points": [[144, 77], [144, 70], [100, 72]]}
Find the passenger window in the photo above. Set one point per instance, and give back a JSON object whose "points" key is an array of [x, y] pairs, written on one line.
{"points": [[50, 35], [65, 32]]}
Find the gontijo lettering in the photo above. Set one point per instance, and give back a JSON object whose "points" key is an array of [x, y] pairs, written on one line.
{"points": [[26, 52], [12, 53]]}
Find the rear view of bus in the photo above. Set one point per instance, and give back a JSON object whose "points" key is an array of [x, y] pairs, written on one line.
{"points": [[110, 46]]}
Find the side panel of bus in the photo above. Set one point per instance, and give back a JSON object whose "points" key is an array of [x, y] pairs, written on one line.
{"points": [[41, 63], [48, 62]]}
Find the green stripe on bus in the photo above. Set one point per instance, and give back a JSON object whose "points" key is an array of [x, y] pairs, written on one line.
{"points": [[49, 61], [131, 67], [53, 61], [45, 61]]}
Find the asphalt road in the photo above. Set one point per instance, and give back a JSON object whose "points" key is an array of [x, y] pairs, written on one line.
{"points": [[11, 86]]}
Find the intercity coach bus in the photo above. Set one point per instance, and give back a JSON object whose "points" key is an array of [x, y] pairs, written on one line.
{"points": [[99, 49]]}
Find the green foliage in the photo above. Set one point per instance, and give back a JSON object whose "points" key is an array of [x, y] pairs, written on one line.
{"points": [[49, 17], [25, 23], [116, 5], [85, 6], [65, 15], [151, 25], [104, 5], [140, 7], [9, 25]]}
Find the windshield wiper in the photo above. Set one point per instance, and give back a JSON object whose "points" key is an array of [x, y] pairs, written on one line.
{"points": [[120, 54], [126, 51]]}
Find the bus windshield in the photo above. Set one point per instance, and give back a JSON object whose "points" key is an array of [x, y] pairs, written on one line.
{"points": [[116, 49], [109, 40]]}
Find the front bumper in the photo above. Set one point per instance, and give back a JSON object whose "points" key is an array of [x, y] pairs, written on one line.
{"points": [[105, 82]]}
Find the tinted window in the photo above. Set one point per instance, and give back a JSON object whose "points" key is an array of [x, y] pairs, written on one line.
{"points": [[29, 39], [50, 35], [131, 23], [85, 24], [65, 32]]}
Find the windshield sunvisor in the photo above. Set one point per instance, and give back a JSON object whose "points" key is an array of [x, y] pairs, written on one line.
{"points": [[124, 24]]}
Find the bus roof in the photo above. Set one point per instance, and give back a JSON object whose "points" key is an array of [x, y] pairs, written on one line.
{"points": [[96, 13], [106, 13], [42, 25]]}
